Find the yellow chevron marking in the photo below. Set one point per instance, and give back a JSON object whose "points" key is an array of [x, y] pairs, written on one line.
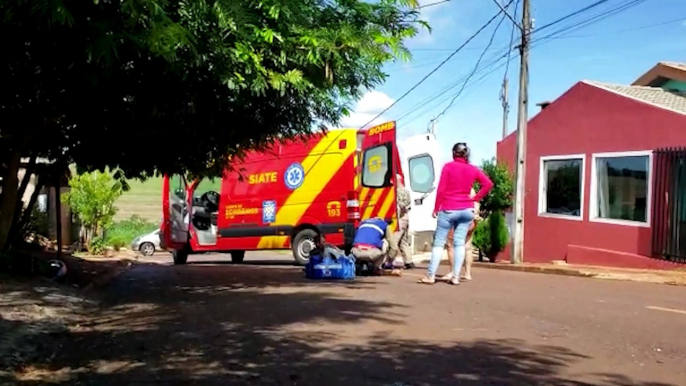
{"points": [[318, 173], [373, 202], [387, 203], [363, 194]]}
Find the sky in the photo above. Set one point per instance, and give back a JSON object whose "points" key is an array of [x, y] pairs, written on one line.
{"points": [[616, 49]]}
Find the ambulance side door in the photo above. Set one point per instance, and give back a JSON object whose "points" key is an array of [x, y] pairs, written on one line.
{"points": [[175, 212]]}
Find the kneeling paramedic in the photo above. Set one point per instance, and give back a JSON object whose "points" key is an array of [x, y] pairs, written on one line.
{"points": [[374, 242]]}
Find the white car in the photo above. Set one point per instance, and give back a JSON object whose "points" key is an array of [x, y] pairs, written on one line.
{"points": [[147, 244]]}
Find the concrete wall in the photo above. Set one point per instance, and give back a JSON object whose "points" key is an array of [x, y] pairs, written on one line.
{"points": [[587, 120]]}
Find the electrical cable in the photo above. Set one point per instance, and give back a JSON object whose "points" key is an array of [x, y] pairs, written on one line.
{"points": [[534, 43], [435, 69], [476, 67], [512, 34], [563, 18]]}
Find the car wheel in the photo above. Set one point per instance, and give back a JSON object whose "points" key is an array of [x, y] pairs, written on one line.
{"points": [[302, 244], [237, 256], [180, 256], [147, 249]]}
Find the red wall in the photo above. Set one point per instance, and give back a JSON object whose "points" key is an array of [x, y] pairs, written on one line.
{"points": [[586, 120]]}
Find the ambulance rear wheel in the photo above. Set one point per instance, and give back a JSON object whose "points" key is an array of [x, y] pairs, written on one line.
{"points": [[302, 244], [180, 256], [237, 256]]}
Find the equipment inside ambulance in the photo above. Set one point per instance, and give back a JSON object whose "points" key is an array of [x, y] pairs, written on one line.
{"points": [[286, 196]]}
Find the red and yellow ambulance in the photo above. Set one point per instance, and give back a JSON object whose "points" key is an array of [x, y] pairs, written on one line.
{"points": [[283, 197]]}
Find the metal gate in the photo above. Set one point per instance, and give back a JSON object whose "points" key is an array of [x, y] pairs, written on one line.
{"points": [[669, 204]]}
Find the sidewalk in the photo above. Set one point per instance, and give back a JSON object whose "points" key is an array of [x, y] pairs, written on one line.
{"points": [[677, 278]]}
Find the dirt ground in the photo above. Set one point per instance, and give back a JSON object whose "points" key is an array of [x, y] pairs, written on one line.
{"points": [[262, 323]]}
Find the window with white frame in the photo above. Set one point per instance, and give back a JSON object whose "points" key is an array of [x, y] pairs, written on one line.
{"points": [[562, 182], [621, 187]]}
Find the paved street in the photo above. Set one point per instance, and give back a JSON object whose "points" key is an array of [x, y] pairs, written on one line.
{"points": [[261, 323]]}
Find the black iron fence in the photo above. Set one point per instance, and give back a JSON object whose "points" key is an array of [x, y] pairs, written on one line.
{"points": [[669, 204]]}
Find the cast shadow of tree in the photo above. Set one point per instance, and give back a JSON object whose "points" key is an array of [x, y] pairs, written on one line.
{"points": [[209, 332]]}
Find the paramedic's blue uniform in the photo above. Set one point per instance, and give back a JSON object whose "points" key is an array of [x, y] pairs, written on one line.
{"points": [[371, 233]]}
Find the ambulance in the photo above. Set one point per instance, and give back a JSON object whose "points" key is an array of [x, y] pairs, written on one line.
{"points": [[285, 196]]}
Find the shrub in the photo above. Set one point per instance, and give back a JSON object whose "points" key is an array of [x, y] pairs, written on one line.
{"points": [[97, 246], [123, 232], [482, 236], [491, 235]]}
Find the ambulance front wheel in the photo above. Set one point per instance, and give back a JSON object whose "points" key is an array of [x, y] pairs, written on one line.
{"points": [[302, 244], [180, 256], [237, 256]]}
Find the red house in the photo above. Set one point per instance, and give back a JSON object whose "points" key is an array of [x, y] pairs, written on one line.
{"points": [[606, 174]]}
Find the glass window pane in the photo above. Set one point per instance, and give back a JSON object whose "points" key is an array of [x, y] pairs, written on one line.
{"points": [[563, 187], [375, 167], [622, 188], [422, 174]]}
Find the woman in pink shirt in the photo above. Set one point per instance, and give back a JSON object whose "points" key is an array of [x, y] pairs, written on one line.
{"points": [[455, 209]]}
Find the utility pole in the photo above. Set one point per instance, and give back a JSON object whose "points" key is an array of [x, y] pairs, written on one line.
{"points": [[504, 98], [522, 118]]}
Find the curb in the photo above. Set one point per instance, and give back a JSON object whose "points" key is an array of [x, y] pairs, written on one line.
{"points": [[574, 272]]}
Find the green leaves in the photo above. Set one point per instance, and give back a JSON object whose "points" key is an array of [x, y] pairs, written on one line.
{"points": [[175, 86], [500, 197], [92, 198]]}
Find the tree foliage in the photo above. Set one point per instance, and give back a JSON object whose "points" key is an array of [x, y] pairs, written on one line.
{"points": [[501, 196], [145, 86], [92, 198]]}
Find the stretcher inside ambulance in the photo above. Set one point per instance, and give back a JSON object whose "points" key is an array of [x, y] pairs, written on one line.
{"points": [[284, 197]]}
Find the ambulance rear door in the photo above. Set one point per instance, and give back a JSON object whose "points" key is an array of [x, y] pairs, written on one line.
{"points": [[422, 164], [379, 165]]}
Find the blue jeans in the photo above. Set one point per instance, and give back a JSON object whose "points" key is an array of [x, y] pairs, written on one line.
{"points": [[459, 220]]}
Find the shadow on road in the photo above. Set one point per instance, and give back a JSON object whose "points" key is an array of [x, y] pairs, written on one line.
{"points": [[259, 326]]}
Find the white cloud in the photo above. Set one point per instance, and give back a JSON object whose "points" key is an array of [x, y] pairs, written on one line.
{"points": [[432, 16], [369, 106]]}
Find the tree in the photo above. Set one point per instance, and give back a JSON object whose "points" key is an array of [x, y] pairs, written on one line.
{"points": [[92, 198], [500, 197], [161, 86]]}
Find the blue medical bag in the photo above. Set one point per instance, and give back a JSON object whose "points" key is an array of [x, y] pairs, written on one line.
{"points": [[330, 268]]}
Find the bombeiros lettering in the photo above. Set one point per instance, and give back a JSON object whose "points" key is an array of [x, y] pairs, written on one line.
{"points": [[381, 128], [262, 178]]}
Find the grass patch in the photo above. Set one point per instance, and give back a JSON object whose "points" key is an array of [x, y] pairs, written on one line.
{"points": [[122, 233]]}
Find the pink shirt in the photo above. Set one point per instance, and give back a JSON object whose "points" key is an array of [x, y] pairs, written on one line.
{"points": [[457, 179]]}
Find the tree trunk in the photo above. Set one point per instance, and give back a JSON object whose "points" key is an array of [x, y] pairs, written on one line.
{"points": [[8, 199], [26, 215], [21, 215]]}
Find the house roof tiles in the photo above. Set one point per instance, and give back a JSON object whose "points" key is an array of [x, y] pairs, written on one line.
{"points": [[656, 96]]}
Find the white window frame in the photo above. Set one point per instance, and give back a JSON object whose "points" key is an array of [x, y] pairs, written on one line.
{"points": [[542, 186], [593, 209]]}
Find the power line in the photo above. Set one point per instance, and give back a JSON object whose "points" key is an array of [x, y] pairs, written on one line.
{"points": [[435, 69], [432, 4], [592, 20], [563, 18], [512, 34], [507, 14], [447, 89], [535, 43], [476, 67]]}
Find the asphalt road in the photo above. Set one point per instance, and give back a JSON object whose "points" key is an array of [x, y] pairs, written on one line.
{"points": [[261, 323]]}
